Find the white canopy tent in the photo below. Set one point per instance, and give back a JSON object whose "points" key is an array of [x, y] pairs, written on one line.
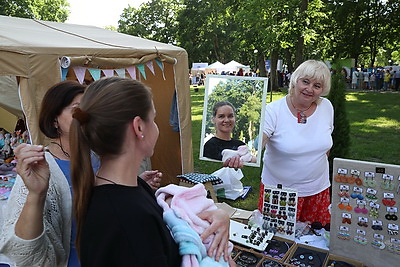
{"points": [[235, 66], [215, 67]]}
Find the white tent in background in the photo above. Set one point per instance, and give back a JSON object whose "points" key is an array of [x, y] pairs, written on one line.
{"points": [[216, 66], [235, 66], [199, 67]]}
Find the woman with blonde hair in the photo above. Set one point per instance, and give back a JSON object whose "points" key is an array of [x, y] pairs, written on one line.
{"points": [[297, 136]]}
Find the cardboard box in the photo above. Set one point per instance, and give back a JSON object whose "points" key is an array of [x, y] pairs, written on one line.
{"points": [[333, 257], [238, 215], [308, 255]]}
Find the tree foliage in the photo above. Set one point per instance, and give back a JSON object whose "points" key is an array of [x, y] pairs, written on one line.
{"points": [[207, 30], [341, 131], [292, 30], [360, 28], [49, 10], [155, 20]]}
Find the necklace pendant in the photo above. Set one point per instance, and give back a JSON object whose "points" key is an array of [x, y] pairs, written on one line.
{"points": [[301, 117]]}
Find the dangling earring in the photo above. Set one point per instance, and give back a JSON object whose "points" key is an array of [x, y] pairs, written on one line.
{"points": [[57, 128]]}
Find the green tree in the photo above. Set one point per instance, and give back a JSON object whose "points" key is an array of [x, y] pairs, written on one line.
{"points": [[341, 132], [369, 24], [281, 29], [154, 20], [49, 10], [206, 30]]}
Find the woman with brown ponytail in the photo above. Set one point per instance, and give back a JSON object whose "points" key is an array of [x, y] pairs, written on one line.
{"points": [[119, 222]]}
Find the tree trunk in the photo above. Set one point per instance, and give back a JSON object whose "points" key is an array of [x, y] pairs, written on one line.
{"points": [[289, 61], [261, 65], [299, 51], [300, 44], [273, 74]]}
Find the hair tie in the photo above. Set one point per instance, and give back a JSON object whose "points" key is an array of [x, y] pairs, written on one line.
{"points": [[81, 115]]}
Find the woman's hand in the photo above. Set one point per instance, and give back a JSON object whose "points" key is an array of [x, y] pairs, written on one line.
{"points": [[152, 178], [33, 168], [34, 171], [234, 162], [219, 220]]}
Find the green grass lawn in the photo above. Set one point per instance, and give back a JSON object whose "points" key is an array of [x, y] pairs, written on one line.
{"points": [[374, 135]]}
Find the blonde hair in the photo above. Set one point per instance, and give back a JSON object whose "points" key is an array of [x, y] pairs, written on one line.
{"points": [[312, 69]]}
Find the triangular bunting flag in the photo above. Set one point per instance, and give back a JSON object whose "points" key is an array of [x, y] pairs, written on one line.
{"points": [[132, 72], [150, 65], [95, 73], [79, 73], [64, 72], [120, 72], [161, 65], [142, 71], [108, 73]]}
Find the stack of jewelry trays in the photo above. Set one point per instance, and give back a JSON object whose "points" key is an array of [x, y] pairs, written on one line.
{"points": [[279, 211]]}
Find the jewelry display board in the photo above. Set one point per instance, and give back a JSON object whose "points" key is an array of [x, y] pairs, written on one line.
{"points": [[364, 214], [253, 237], [279, 207]]}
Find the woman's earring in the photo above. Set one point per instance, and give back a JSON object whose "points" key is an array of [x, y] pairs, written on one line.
{"points": [[142, 136]]}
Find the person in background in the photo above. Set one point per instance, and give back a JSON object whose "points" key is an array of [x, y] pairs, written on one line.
{"points": [[379, 79], [354, 79], [366, 79], [119, 222], [39, 209], [386, 80], [297, 139], [372, 81], [397, 79]]}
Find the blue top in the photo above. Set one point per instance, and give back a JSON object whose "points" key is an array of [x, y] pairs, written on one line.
{"points": [[64, 165], [73, 255]]}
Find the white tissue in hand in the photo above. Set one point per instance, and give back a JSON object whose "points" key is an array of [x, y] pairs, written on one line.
{"points": [[229, 153], [242, 152]]}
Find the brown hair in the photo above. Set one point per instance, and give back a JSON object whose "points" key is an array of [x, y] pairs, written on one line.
{"points": [[54, 101], [221, 104], [110, 104]]}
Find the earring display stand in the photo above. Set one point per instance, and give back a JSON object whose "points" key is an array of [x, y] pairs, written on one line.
{"points": [[279, 210], [365, 217]]}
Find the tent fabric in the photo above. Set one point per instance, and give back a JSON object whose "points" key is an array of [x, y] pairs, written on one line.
{"points": [[234, 66], [216, 66], [9, 88], [31, 51]]}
